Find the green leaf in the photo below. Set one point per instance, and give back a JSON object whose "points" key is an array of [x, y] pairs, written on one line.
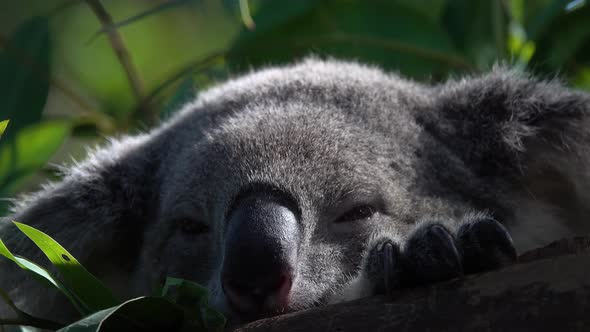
{"points": [[146, 314], [384, 32], [3, 125], [88, 289], [42, 275], [89, 323], [539, 15], [24, 75], [479, 29], [185, 293], [563, 42], [213, 319], [184, 93], [194, 299], [28, 151], [433, 9]]}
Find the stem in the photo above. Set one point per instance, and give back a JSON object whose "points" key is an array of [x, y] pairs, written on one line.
{"points": [[191, 67], [123, 55], [245, 13]]}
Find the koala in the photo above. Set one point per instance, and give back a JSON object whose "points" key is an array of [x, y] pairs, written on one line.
{"points": [[319, 182]]}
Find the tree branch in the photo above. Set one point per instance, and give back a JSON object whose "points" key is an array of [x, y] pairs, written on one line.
{"points": [[123, 55]]}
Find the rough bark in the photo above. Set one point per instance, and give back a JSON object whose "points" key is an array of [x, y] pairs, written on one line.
{"points": [[549, 290]]}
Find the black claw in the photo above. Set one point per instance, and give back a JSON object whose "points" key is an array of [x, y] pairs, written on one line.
{"points": [[485, 245], [389, 253], [432, 255], [384, 265]]}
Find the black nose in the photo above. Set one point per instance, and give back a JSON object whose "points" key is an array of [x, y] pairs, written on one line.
{"points": [[260, 253]]}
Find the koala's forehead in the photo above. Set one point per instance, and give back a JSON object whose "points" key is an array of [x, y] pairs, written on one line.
{"points": [[307, 151], [317, 127]]}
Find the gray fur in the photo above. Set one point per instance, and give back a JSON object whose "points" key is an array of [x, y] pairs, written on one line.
{"points": [[332, 135]]}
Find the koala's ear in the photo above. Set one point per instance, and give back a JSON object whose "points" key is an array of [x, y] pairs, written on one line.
{"points": [[100, 207], [530, 140], [507, 122]]}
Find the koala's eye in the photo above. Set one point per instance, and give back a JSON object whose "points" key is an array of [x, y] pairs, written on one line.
{"points": [[358, 213], [192, 227]]}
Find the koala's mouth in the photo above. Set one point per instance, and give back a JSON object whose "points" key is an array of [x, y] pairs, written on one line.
{"points": [[237, 316], [253, 303]]}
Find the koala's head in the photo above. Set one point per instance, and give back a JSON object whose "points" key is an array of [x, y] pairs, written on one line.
{"points": [[273, 184]]}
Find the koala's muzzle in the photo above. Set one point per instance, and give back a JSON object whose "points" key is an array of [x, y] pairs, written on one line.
{"points": [[260, 254]]}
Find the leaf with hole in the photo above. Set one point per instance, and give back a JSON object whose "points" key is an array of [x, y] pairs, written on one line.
{"points": [[88, 289]]}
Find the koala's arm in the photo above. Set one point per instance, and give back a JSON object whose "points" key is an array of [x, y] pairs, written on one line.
{"points": [[532, 139], [92, 212], [529, 140]]}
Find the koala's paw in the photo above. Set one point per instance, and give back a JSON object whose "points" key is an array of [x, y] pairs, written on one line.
{"points": [[434, 253]]}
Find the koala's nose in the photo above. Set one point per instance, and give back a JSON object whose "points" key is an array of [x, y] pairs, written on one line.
{"points": [[260, 254]]}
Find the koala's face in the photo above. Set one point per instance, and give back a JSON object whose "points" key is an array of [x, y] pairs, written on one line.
{"points": [[273, 208], [273, 198]]}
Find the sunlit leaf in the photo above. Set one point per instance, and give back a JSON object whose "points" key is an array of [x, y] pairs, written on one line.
{"points": [[24, 75], [3, 125], [29, 150], [88, 289]]}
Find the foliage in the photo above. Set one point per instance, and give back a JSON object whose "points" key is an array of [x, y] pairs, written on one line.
{"points": [[181, 305], [128, 65]]}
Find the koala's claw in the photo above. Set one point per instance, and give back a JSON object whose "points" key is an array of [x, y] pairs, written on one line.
{"points": [[433, 253], [485, 245], [388, 252]]}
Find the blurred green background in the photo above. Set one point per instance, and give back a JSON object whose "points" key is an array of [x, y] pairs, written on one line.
{"points": [[73, 72]]}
